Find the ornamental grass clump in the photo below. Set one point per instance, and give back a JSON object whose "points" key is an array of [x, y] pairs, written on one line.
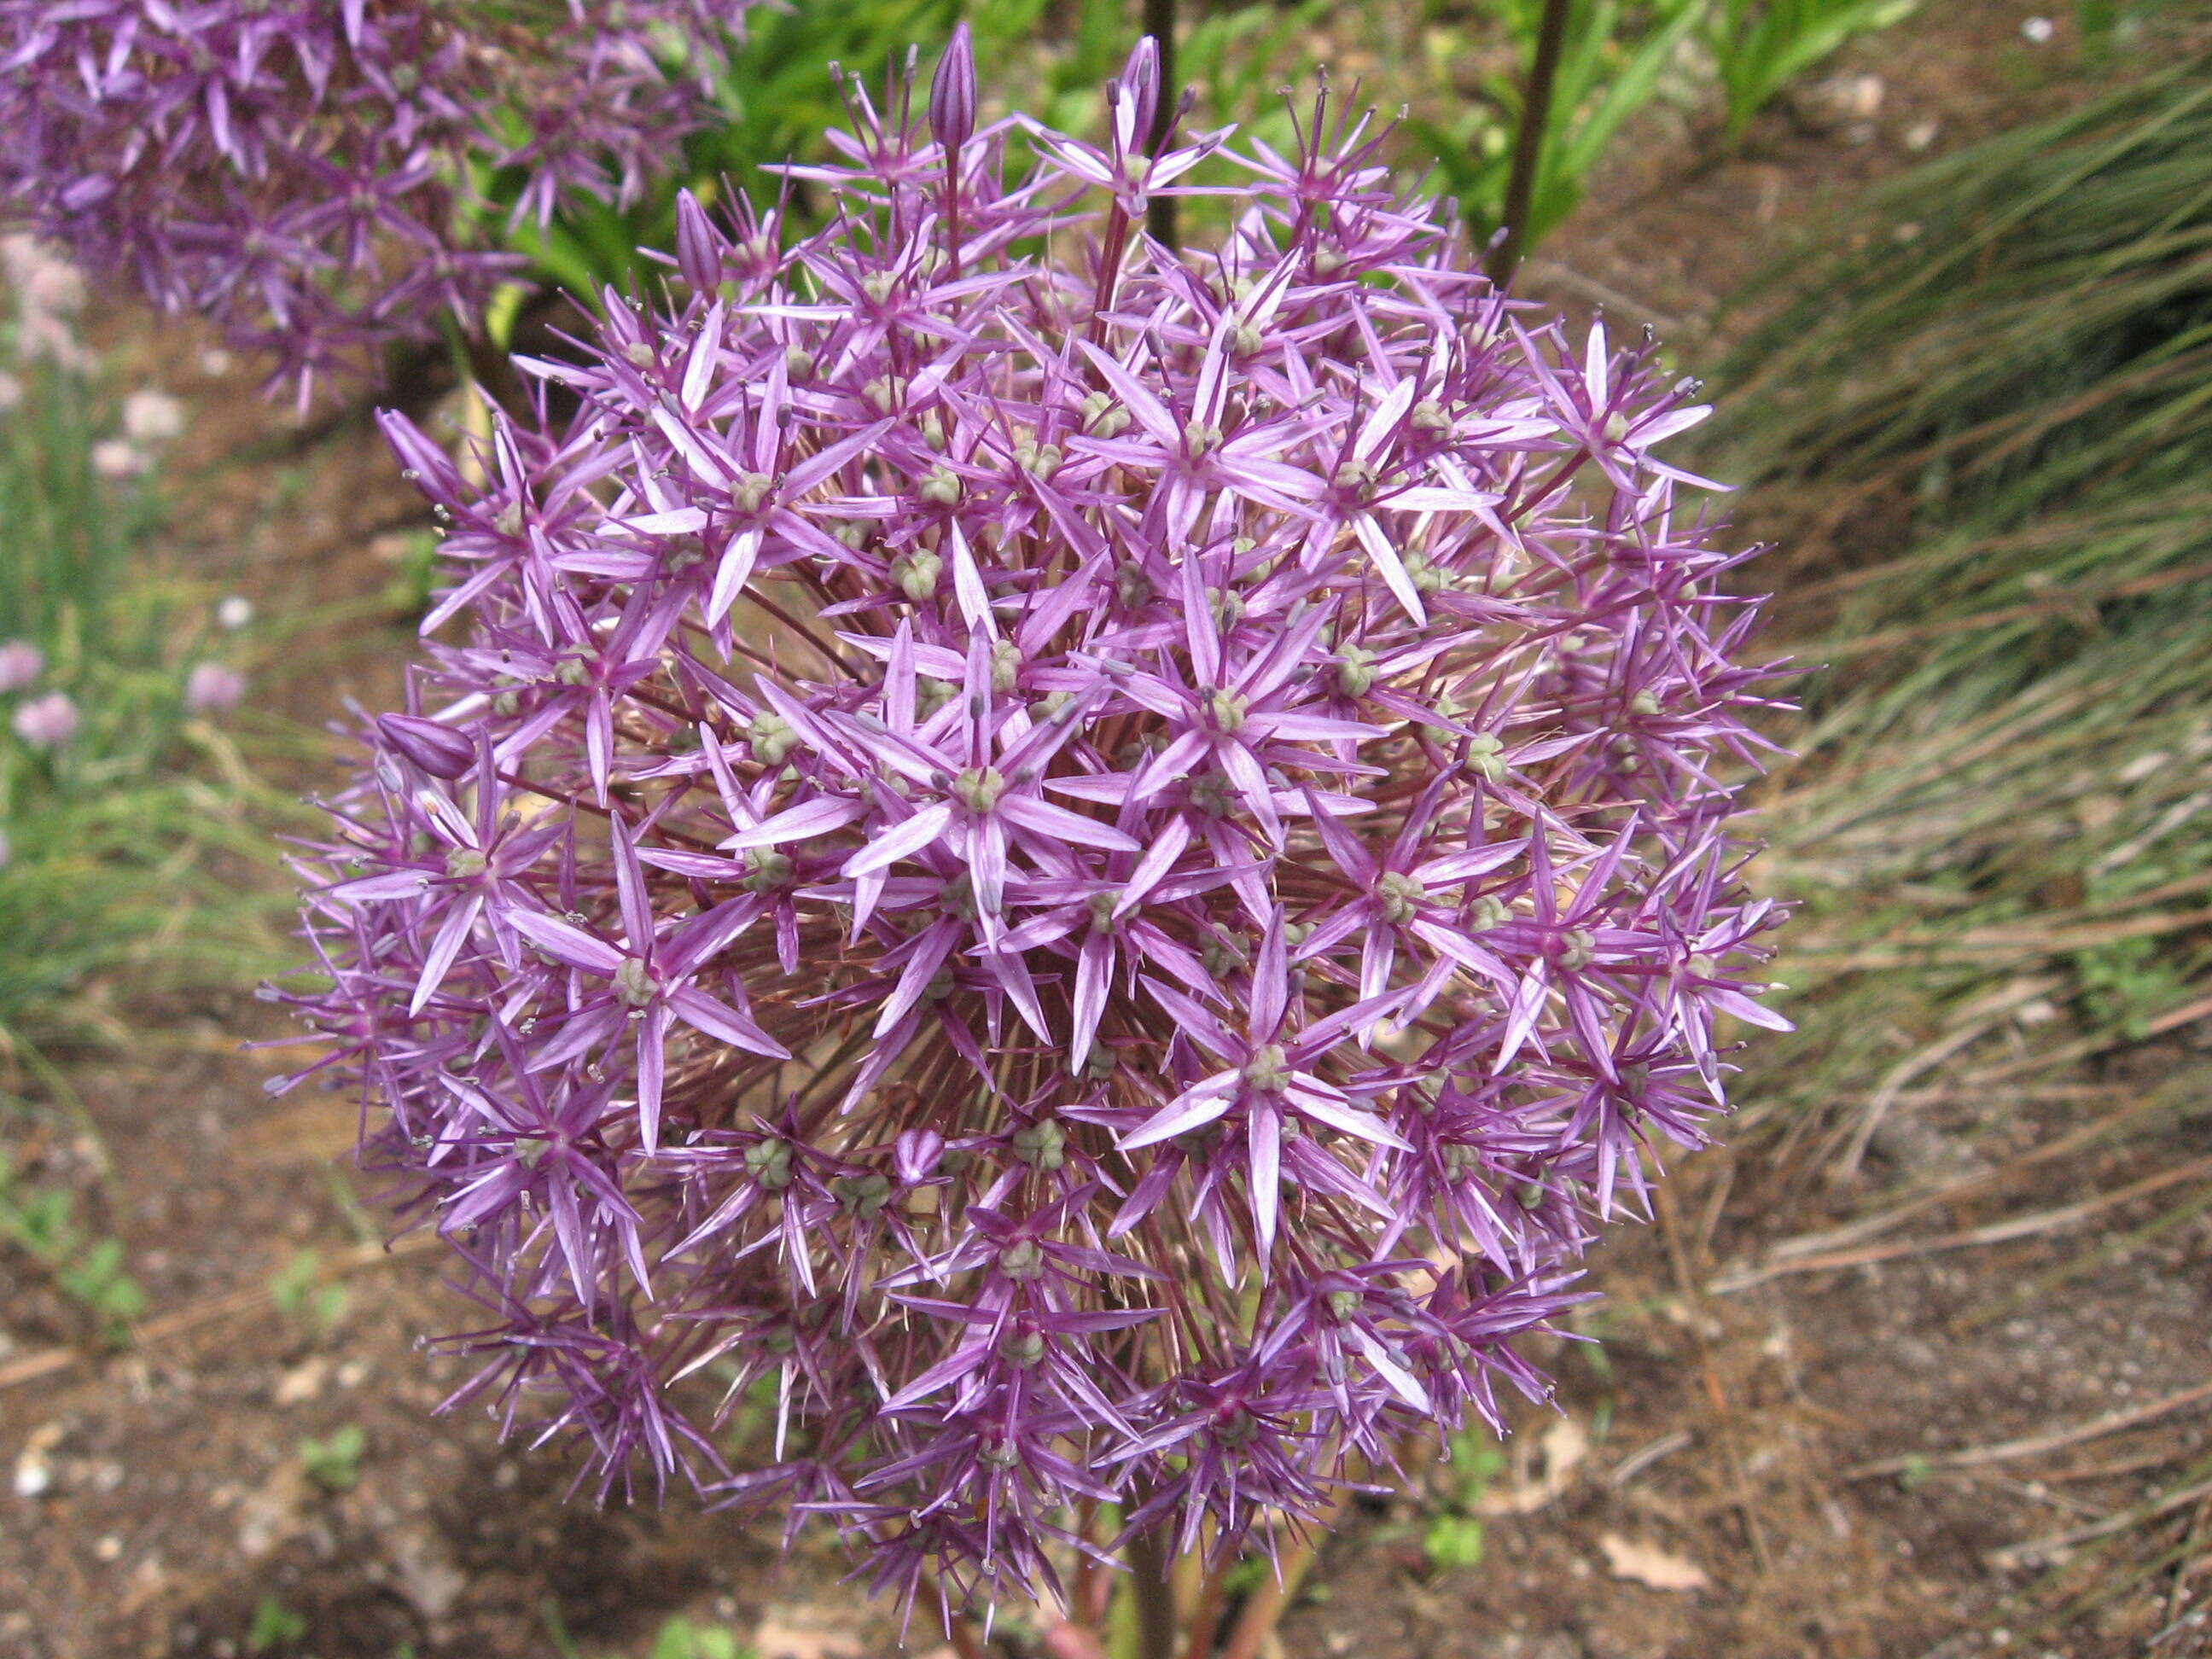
{"points": [[1082, 870], [318, 177], [125, 806]]}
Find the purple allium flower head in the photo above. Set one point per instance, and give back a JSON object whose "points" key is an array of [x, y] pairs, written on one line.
{"points": [[48, 722], [212, 687], [1085, 866], [296, 169], [20, 665]]}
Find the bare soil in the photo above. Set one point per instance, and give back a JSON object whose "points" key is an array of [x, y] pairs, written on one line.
{"points": [[1696, 1494]]}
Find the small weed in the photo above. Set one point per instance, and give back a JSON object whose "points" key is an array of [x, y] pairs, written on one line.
{"points": [[96, 1280], [2127, 982], [1453, 1541], [408, 594], [40, 1221], [297, 1294], [274, 1625], [334, 1464], [1245, 1577], [1759, 48], [679, 1639], [1456, 1537]]}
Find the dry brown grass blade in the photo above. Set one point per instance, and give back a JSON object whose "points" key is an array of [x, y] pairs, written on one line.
{"points": [[2063, 602], [2108, 1249], [2083, 1047], [2060, 533], [1886, 1093], [1953, 1191], [1689, 1283], [1983, 946], [2034, 1445], [1996, 1233], [2043, 1549]]}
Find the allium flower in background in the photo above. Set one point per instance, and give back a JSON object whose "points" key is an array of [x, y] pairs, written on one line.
{"points": [[305, 172], [213, 687], [20, 665], [48, 722], [1090, 867]]}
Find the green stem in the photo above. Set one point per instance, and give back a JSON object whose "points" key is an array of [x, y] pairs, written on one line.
{"points": [[1153, 1593], [1528, 142], [1206, 1616]]}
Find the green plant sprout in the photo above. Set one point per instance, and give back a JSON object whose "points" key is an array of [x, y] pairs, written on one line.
{"points": [[298, 1293], [274, 1625], [1455, 1537], [679, 1639], [1759, 47], [334, 1463], [38, 1221]]}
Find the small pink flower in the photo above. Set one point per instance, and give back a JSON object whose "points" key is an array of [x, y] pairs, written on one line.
{"points": [[42, 279], [20, 665], [11, 393], [152, 417], [211, 687], [118, 457], [48, 722]]}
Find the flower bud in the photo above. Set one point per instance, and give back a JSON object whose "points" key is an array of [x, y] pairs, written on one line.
{"points": [[917, 1154], [1355, 670], [1043, 1144], [952, 93], [916, 574], [1485, 757], [771, 737], [438, 750], [698, 246]]}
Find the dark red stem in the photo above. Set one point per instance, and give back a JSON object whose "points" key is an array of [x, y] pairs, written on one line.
{"points": [[1528, 142]]}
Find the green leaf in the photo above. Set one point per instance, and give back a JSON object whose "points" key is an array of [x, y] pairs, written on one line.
{"points": [[334, 1464], [1453, 1541], [274, 1625], [679, 1639]]}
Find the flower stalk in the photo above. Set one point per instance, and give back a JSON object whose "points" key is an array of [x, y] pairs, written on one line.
{"points": [[1529, 139], [1160, 25]]}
